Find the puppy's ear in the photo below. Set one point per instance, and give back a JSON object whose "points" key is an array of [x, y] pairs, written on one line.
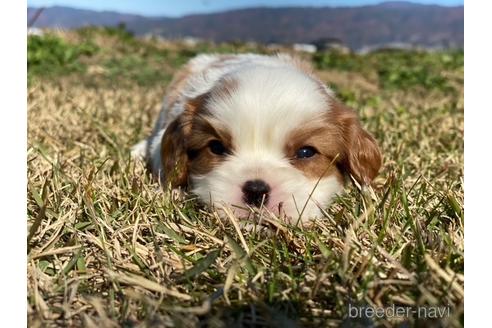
{"points": [[174, 148], [359, 155], [173, 155]]}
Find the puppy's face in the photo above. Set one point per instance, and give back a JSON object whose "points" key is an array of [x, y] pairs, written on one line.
{"points": [[267, 137]]}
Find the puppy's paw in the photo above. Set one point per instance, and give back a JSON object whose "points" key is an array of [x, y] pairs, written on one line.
{"points": [[138, 151]]}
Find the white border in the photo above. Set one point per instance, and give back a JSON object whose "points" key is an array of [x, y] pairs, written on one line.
{"points": [[13, 82], [478, 225]]}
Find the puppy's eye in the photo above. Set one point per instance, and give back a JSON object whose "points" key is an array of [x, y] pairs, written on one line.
{"points": [[306, 152], [217, 147], [192, 153]]}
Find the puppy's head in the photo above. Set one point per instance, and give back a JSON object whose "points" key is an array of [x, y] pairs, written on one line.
{"points": [[271, 137]]}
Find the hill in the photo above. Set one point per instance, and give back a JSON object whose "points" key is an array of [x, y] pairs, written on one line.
{"points": [[357, 27], [66, 17]]}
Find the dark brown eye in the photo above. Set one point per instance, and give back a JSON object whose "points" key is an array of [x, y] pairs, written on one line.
{"points": [[217, 147], [192, 153], [306, 152]]}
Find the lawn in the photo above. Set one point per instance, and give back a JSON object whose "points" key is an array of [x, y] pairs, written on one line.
{"points": [[107, 247]]}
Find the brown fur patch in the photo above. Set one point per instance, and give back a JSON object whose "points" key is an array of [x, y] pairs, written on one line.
{"points": [[344, 147], [173, 155], [315, 134], [361, 155], [201, 158], [222, 60], [185, 144]]}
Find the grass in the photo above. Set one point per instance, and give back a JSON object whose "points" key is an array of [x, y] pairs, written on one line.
{"points": [[107, 247]]}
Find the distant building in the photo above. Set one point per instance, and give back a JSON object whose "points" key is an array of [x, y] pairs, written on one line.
{"points": [[304, 47], [326, 44], [388, 46], [34, 31], [191, 41]]}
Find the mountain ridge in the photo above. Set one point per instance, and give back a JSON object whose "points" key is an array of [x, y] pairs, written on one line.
{"points": [[357, 27]]}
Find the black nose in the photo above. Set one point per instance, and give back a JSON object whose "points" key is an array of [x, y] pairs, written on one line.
{"points": [[255, 192]]}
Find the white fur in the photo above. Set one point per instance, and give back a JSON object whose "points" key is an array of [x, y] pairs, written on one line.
{"points": [[272, 98]]}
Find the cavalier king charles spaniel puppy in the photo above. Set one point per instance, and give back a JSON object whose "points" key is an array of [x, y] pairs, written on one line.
{"points": [[252, 131]]}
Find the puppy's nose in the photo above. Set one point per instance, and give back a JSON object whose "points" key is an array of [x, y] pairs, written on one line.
{"points": [[255, 192]]}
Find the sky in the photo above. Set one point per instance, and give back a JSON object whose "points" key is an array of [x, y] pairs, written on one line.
{"points": [[176, 8]]}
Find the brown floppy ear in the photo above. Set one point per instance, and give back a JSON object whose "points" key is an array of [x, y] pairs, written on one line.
{"points": [[173, 155], [359, 153]]}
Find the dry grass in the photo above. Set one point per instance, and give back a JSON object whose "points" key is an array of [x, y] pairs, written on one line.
{"points": [[108, 248]]}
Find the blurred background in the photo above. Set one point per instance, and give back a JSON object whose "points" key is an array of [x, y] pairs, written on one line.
{"points": [[360, 25]]}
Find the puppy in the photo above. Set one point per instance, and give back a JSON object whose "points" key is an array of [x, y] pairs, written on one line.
{"points": [[252, 131]]}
